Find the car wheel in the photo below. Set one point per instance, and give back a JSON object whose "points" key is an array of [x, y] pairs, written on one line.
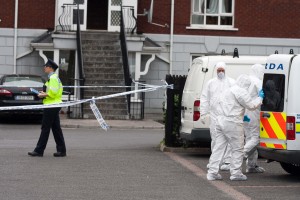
{"points": [[293, 169]]}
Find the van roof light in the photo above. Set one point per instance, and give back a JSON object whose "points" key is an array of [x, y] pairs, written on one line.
{"points": [[291, 51], [236, 53]]}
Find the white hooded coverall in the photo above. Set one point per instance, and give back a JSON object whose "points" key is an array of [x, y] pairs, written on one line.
{"points": [[229, 125], [210, 97], [252, 127]]}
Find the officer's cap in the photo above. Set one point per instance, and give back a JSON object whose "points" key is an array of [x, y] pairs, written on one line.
{"points": [[52, 64]]}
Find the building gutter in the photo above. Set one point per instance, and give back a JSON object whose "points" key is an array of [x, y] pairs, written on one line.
{"points": [[16, 35], [171, 36]]}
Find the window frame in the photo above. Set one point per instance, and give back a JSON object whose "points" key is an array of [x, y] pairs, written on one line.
{"points": [[219, 15]]}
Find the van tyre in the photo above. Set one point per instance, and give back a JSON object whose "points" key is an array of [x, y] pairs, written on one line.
{"points": [[293, 169]]}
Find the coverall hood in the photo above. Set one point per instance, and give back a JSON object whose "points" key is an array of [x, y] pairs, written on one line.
{"points": [[257, 70], [221, 65], [243, 81]]}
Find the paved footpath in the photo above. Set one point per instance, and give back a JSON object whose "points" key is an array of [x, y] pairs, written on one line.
{"points": [[114, 124]]}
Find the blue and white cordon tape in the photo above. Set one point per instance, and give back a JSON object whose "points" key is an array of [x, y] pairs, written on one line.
{"points": [[93, 106]]}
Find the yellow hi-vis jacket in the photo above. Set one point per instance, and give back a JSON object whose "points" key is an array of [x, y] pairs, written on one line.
{"points": [[54, 90]]}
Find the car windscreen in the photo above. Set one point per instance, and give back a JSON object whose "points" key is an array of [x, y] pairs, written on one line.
{"points": [[273, 87], [23, 81]]}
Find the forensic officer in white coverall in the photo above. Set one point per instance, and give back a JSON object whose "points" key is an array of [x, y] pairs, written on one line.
{"points": [[210, 96], [230, 128], [251, 124]]}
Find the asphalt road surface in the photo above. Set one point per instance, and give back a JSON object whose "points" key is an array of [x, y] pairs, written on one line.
{"points": [[122, 164]]}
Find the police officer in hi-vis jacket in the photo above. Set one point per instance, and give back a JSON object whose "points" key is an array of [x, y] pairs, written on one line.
{"points": [[51, 95]]}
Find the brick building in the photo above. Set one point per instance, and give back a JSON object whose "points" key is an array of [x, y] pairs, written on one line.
{"points": [[178, 31], [258, 18]]}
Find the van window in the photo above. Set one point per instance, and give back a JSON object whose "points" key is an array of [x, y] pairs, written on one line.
{"points": [[273, 86]]}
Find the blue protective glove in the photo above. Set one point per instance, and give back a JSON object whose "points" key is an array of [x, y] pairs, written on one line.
{"points": [[261, 94], [246, 118]]}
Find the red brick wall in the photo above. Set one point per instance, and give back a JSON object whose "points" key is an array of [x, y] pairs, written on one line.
{"points": [[36, 14], [255, 18], [32, 14], [161, 15], [276, 18], [7, 10]]}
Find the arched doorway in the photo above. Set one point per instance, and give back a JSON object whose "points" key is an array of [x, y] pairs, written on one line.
{"points": [[97, 14]]}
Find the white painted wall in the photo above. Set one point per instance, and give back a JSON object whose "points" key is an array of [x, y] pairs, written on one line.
{"points": [[28, 64]]}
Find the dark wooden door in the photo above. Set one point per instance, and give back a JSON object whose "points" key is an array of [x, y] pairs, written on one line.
{"points": [[97, 14]]}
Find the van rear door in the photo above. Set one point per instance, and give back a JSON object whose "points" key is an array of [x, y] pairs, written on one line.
{"points": [[273, 116], [191, 93]]}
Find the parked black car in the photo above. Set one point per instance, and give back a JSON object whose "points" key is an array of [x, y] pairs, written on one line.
{"points": [[15, 91]]}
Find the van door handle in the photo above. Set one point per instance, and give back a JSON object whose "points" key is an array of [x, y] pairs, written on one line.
{"points": [[183, 107], [266, 115]]}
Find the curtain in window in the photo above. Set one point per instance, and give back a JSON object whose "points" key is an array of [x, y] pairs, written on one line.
{"points": [[198, 6], [226, 6], [213, 6]]}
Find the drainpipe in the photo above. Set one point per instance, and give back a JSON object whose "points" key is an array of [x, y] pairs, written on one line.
{"points": [[16, 35], [171, 38]]}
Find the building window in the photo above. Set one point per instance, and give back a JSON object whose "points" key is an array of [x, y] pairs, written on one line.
{"points": [[81, 14], [212, 13]]}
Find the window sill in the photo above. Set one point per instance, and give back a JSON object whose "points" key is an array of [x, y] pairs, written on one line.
{"points": [[218, 28]]}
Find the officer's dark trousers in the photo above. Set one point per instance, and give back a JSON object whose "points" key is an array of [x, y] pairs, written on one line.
{"points": [[51, 121]]}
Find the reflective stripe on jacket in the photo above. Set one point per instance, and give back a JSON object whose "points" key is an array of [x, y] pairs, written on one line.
{"points": [[54, 90]]}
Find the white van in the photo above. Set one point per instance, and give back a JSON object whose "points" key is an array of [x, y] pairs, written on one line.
{"points": [[280, 112], [202, 70]]}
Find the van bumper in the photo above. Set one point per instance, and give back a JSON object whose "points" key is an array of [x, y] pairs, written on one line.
{"points": [[279, 155], [198, 135]]}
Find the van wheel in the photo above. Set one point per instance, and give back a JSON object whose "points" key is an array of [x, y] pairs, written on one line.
{"points": [[291, 168]]}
